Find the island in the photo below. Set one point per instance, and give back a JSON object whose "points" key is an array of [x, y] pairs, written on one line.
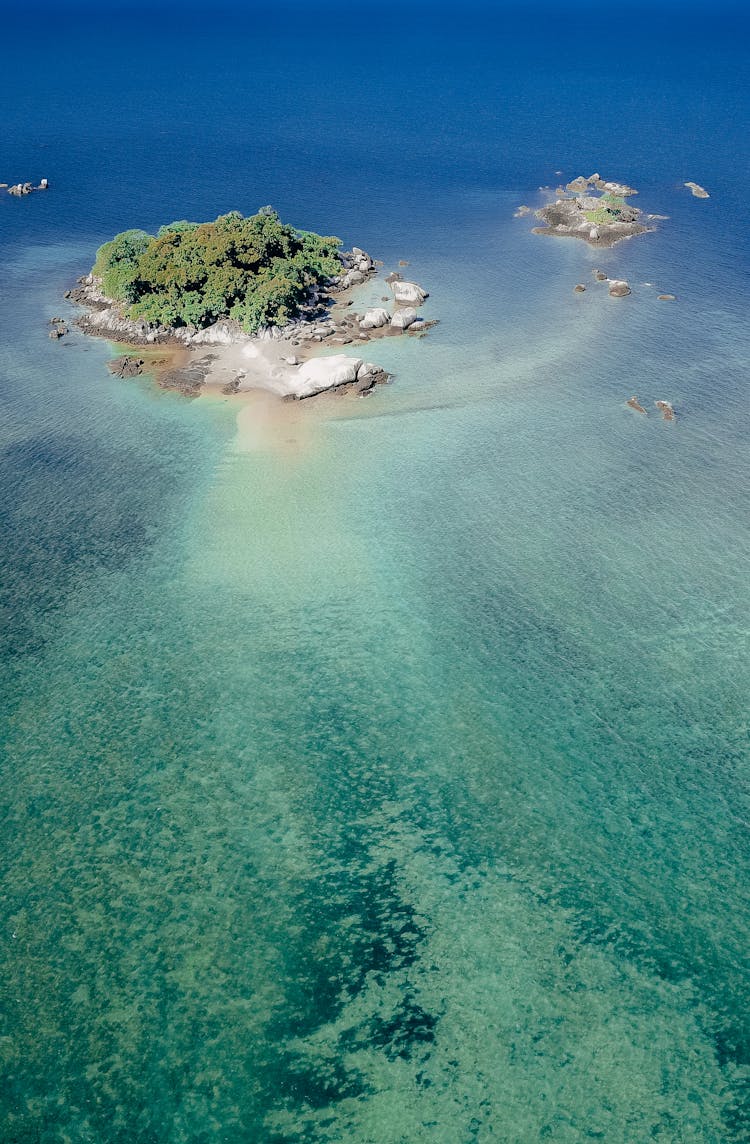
{"points": [[594, 210], [264, 296]]}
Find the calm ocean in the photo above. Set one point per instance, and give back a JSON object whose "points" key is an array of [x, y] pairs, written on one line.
{"points": [[377, 771]]}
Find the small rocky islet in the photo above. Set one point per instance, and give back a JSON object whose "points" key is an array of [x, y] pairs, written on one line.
{"points": [[20, 190], [593, 209], [269, 282]]}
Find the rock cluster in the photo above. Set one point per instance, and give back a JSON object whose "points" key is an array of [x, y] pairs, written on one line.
{"points": [[357, 266], [20, 189], [58, 329], [581, 185], [126, 366], [666, 408], [601, 220]]}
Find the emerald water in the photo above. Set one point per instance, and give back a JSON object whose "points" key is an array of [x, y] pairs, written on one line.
{"points": [[376, 771]]}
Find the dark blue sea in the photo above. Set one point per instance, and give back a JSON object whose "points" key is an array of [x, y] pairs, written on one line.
{"points": [[377, 771]]}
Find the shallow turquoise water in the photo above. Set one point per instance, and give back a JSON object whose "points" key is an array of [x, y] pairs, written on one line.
{"points": [[378, 773]]}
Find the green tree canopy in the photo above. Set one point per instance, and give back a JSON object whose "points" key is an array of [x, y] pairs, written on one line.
{"points": [[254, 269]]}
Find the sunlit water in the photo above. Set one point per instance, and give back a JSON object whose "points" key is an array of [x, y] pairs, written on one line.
{"points": [[376, 771]]}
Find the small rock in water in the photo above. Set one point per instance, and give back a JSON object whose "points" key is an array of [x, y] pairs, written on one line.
{"points": [[634, 403], [666, 298], [600, 275], [697, 191], [667, 410], [618, 288], [579, 289]]}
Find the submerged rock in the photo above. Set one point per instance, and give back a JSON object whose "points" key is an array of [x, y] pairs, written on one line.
{"points": [[634, 403]]}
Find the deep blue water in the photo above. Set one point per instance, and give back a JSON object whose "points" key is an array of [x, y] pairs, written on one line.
{"points": [[377, 772]]}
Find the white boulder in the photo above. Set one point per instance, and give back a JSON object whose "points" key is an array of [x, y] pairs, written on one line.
{"points": [[324, 373], [374, 319], [402, 319], [408, 293]]}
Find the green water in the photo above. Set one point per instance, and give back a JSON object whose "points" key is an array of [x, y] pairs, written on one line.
{"points": [[375, 771], [393, 794]]}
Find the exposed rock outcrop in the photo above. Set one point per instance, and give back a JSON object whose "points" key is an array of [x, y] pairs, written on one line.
{"points": [[697, 191], [336, 372], [634, 403], [187, 380], [374, 319], [618, 288], [126, 366], [325, 373], [667, 410], [20, 189], [404, 318], [408, 293], [599, 219]]}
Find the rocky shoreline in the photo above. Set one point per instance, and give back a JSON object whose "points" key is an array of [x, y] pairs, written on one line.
{"points": [[326, 318]]}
